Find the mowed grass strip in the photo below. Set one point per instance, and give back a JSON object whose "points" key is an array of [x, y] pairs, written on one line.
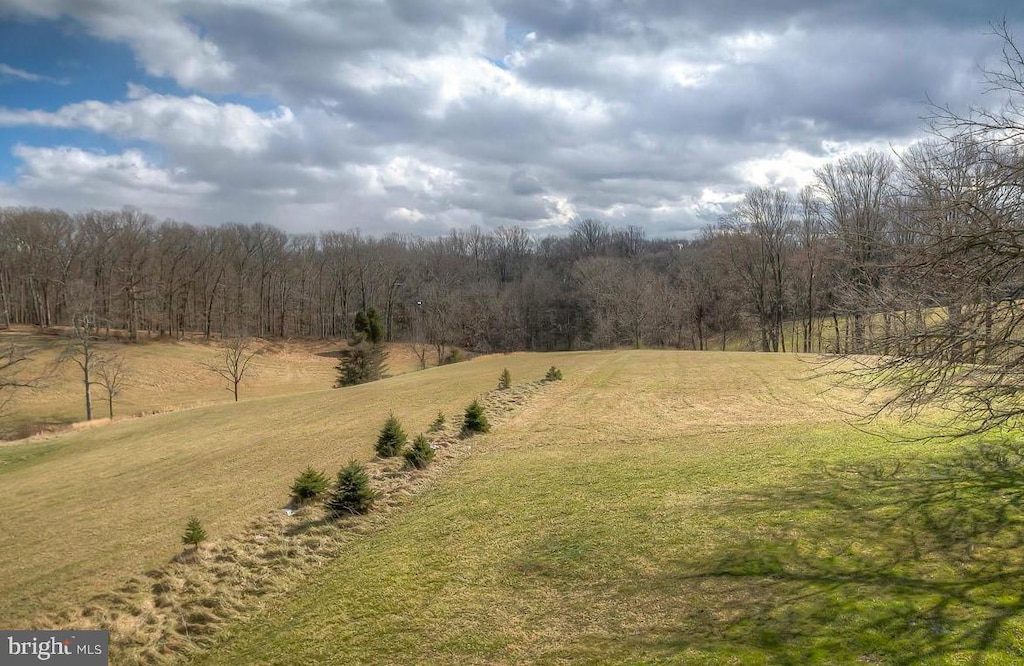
{"points": [[677, 508], [86, 510]]}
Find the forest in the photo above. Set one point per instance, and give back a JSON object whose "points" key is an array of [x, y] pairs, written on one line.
{"points": [[781, 273]]}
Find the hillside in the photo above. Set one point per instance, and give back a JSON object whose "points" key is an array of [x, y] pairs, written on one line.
{"points": [[96, 505], [663, 507], [164, 374], [654, 506]]}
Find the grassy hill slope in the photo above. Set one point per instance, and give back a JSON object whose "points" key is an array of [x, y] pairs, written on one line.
{"points": [[86, 509], [661, 507]]}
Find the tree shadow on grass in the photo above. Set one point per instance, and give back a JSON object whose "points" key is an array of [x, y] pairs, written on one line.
{"points": [[901, 561]]}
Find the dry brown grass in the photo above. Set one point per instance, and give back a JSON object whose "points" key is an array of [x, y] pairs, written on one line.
{"points": [[166, 375], [173, 610], [88, 509]]}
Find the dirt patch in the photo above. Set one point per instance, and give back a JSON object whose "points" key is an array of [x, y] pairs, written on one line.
{"points": [[169, 613]]}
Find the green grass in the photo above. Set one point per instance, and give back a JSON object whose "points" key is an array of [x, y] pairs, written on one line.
{"points": [[678, 508], [653, 507]]}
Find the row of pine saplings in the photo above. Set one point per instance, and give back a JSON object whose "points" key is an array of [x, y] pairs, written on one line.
{"points": [[352, 494]]}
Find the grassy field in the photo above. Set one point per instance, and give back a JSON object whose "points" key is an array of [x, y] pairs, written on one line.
{"points": [[654, 507], [662, 507], [164, 375], [86, 509]]}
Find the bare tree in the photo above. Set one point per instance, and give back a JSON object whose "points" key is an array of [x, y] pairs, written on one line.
{"points": [[234, 362], [811, 241], [857, 193], [83, 352], [112, 375], [12, 373], [512, 246], [590, 237], [769, 212], [623, 296], [957, 343]]}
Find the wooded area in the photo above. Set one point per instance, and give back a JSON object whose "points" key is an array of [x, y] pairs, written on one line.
{"points": [[789, 273], [826, 259]]}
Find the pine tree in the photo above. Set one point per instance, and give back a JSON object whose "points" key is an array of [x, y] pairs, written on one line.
{"points": [[360, 364], [374, 329], [352, 493], [194, 533], [553, 374], [437, 424], [365, 358], [391, 438], [309, 485], [474, 420], [505, 380], [420, 454], [361, 325]]}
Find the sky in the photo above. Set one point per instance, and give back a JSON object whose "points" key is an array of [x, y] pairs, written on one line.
{"points": [[419, 116]]}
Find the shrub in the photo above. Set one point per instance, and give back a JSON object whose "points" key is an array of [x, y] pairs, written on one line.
{"points": [[309, 485], [437, 424], [352, 493], [553, 375], [420, 454], [475, 420], [391, 438], [505, 380], [194, 533]]}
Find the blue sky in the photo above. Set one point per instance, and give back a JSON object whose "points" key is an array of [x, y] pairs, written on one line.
{"points": [[420, 117]]}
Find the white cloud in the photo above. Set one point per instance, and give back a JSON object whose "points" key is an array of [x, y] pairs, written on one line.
{"points": [[457, 112], [166, 120], [75, 179], [406, 173], [403, 214], [15, 73], [157, 31], [79, 168]]}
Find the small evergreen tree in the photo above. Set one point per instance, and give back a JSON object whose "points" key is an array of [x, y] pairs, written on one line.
{"points": [[553, 374], [437, 424], [352, 493], [194, 533], [391, 438], [360, 364], [420, 454], [365, 358], [505, 380], [309, 485], [474, 420]]}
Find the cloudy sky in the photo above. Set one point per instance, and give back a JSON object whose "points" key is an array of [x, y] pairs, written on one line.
{"points": [[421, 115]]}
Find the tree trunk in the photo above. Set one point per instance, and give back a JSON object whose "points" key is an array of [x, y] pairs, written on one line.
{"points": [[88, 392]]}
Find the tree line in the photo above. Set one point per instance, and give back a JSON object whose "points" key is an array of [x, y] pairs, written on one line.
{"points": [[790, 271], [784, 272]]}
